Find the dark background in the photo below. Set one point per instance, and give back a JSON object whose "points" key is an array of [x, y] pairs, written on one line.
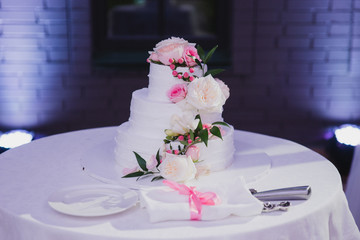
{"points": [[293, 67]]}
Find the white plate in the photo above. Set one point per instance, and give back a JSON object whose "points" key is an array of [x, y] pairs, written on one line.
{"points": [[93, 200]]}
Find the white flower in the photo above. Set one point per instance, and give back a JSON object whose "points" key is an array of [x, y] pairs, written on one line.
{"points": [[224, 88], [182, 125], [178, 168], [205, 94]]}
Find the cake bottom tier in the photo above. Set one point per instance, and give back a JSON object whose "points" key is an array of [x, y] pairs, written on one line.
{"points": [[217, 156]]}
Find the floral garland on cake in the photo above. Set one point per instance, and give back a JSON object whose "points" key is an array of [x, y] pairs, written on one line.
{"points": [[176, 160]]}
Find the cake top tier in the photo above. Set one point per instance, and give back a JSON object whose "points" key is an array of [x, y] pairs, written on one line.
{"points": [[178, 74]]}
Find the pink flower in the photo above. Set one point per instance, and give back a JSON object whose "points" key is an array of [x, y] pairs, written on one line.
{"points": [[181, 60], [174, 73], [171, 60], [151, 163], [181, 138], [193, 152], [177, 93], [191, 70], [176, 152], [191, 78], [171, 48], [190, 54], [127, 171], [179, 76], [172, 66], [153, 56], [189, 141], [186, 75]]}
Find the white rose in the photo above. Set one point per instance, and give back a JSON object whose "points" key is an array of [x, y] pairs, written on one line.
{"points": [[182, 125], [224, 88], [205, 94], [178, 168]]}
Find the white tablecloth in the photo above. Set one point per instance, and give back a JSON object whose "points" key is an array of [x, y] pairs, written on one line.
{"points": [[30, 173]]}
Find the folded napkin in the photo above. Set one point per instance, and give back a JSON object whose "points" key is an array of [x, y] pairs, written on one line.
{"points": [[175, 201]]}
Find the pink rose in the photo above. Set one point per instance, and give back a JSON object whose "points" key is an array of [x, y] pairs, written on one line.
{"points": [[151, 163], [193, 152], [177, 93], [171, 48], [190, 54], [224, 88], [153, 56]]}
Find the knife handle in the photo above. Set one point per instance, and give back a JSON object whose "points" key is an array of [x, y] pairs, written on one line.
{"points": [[290, 193]]}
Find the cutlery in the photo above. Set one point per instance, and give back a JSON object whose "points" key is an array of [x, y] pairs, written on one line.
{"points": [[290, 193]]}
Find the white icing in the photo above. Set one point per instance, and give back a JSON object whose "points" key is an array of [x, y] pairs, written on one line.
{"points": [[161, 80]]}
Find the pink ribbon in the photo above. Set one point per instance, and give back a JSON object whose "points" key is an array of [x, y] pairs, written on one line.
{"points": [[196, 199]]}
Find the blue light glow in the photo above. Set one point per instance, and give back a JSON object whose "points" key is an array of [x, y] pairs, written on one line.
{"points": [[15, 138], [348, 134]]}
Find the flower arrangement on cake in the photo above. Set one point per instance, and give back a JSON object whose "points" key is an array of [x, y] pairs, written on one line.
{"points": [[178, 159]]}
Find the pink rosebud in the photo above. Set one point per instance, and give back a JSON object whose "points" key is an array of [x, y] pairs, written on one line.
{"points": [[176, 152], [168, 151], [148, 60], [172, 66], [191, 78], [179, 76], [177, 93], [189, 141], [181, 138], [181, 60], [191, 70], [171, 60], [186, 75], [193, 152], [174, 73], [207, 126]]}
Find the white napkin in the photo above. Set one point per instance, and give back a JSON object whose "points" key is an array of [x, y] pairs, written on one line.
{"points": [[164, 203]]}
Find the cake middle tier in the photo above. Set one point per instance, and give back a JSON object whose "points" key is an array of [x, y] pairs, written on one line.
{"points": [[150, 117]]}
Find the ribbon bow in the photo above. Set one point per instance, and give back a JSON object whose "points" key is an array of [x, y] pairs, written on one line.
{"points": [[196, 199]]}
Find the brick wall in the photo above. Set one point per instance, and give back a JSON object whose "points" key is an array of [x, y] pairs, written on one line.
{"points": [[295, 68]]}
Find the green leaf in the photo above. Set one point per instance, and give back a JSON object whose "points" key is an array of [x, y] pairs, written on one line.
{"points": [[198, 63], [134, 174], [199, 126], [166, 141], [204, 136], [216, 132], [141, 162], [184, 142], [158, 158], [201, 52], [214, 72], [221, 123], [209, 55], [192, 137], [157, 178]]}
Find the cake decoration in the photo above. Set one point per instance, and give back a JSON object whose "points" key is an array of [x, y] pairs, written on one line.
{"points": [[187, 103]]}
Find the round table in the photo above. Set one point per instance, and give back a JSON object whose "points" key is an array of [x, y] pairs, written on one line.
{"points": [[30, 173]]}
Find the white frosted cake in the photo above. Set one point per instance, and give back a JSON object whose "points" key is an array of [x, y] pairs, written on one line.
{"points": [[164, 119]]}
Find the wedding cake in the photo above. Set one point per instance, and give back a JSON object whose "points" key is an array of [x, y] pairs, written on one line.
{"points": [[176, 130]]}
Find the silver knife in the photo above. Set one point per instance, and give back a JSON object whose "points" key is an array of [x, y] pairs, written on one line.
{"points": [[290, 193]]}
